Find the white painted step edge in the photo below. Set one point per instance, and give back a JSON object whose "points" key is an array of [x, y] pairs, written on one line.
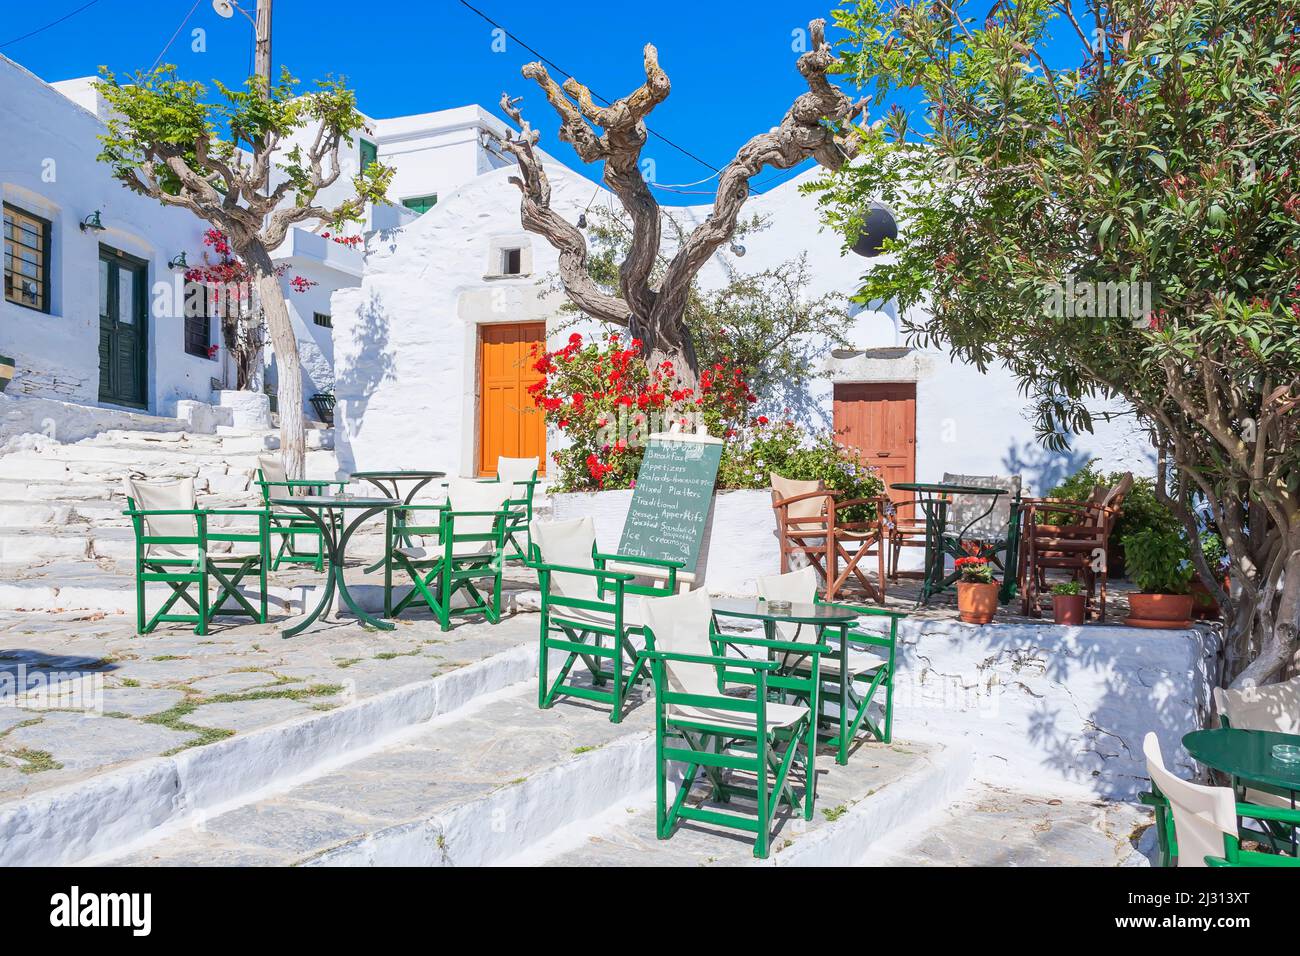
{"points": [[108, 812]]}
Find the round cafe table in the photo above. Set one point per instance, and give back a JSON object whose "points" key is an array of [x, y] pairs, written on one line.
{"points": [[390, 484], [329, 514], [817, 616], [1247, 757]]}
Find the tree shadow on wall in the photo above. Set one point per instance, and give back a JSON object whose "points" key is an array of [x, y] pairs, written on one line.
{"points": [[1041, 469], [371, 364]]}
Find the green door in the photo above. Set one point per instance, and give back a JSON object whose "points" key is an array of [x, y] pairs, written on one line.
{"points": [[122, 329]]}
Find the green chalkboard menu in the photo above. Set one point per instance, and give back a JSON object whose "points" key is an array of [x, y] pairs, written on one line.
{"points": [[672, 498]]}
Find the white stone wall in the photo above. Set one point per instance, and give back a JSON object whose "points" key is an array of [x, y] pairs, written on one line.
{"points": [[427, 285]]}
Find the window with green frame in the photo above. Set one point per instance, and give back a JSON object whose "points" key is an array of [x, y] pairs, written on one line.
{"points": [[421, 204], [369, 154]]}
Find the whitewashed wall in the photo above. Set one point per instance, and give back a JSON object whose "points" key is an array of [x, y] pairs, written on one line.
{"points": [[406, 362], [48, 167]]}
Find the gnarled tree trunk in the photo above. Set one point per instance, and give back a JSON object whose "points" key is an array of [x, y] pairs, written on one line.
{"points": [[293, 439]]}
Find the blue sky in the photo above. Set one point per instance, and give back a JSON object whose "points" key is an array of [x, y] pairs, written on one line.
{"points": [[732, 65]]}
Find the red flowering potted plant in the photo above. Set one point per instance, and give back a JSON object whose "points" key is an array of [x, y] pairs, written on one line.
{"points": [[607, 401], [977, 590]]}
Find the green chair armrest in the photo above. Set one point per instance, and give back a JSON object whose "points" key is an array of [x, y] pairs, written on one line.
{"points": [[652, 562], [1255, 811], [793, 647], [589, 572], [195, 512]]}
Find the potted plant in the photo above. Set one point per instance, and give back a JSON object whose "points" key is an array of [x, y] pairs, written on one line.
{"points": [[6, 371], [977, 591], [1067, 603], [1158, 564]]}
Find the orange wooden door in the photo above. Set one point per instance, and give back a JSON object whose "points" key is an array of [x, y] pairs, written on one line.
{"points": [[509, 423], [879, 420]]}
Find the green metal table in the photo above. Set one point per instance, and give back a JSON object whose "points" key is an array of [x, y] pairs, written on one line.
{"points": [[390, 484], [933, 497], [1247, 757], [329, 514], [819, 616]]}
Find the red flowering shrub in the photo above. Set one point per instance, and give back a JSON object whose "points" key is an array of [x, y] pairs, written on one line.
{"points": [[608, 401]]}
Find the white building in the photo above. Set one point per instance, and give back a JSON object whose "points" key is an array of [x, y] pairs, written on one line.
{"points": [[440, 297], [92, 315]]}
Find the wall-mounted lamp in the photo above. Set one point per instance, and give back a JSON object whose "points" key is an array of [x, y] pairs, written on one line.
{"points": [[582, 220], [92, 222], [878, 225], [178, 262], [737, 249]]}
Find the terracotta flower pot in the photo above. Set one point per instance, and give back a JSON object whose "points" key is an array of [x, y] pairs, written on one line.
{"points": [[1068, 608], [1175, 610], [977, 603]]}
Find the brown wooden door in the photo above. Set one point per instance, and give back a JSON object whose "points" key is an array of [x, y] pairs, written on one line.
{"points": [[879, 419], [509, 423]]}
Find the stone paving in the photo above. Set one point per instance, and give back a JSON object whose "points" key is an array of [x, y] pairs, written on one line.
{"points": [[995, 826], [98, 696]]}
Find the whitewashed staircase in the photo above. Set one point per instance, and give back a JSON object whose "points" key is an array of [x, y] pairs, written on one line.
{"points": [[64, 542]]}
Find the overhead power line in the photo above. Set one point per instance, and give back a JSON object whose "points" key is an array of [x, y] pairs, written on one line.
{"points": [[52, 23], [567, 75]]}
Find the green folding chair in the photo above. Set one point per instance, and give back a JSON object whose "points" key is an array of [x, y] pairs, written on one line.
{"points": [[852, 675], [287, 525], [745, 747], [591, 612], [521, 474], [1199, 826], [176, 544], [467, 548]]}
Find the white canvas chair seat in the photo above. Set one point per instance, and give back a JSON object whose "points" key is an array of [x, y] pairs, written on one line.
{"points": [[1202, 815], [169, 496], [510, 471], [632, 616], [433, 551], [569, 544], [860, 662], [1273, 707], [778, 715]]}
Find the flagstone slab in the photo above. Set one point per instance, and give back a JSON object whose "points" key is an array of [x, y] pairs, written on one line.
{"points": [[135, 677], [245, 715], [85, 742], [286, 825]]}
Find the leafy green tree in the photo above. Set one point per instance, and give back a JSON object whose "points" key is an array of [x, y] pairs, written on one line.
{"points": [[1039, 202], [254, 163]]}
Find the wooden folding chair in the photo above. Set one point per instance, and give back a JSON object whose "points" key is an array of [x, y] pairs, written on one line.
{"points": [[176, 545], [1069, 536]]}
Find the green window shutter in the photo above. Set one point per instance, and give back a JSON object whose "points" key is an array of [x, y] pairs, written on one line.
{"points": [[421, 204], [369, 154]]}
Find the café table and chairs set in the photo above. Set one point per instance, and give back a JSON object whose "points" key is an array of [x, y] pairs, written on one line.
{"points": [[311, 522], [745, 710]]}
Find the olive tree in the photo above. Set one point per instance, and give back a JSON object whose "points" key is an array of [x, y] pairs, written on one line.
{"points": [[253, 162], [1043, 203]]}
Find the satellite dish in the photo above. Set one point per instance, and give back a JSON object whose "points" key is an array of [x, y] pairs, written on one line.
{"points": [[877, 226], [224, 8]]}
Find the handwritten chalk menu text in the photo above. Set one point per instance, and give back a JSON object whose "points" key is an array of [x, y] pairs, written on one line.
{"points": [[671, 501]]}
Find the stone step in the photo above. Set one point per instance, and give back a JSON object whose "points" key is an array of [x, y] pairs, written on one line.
{"points": [[507, 783], [998, 826]]}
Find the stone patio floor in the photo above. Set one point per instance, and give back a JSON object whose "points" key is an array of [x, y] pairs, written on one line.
{"points": [[105, 696]]}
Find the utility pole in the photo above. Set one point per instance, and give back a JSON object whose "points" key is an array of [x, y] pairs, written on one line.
{"points": [[262, 57]]}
